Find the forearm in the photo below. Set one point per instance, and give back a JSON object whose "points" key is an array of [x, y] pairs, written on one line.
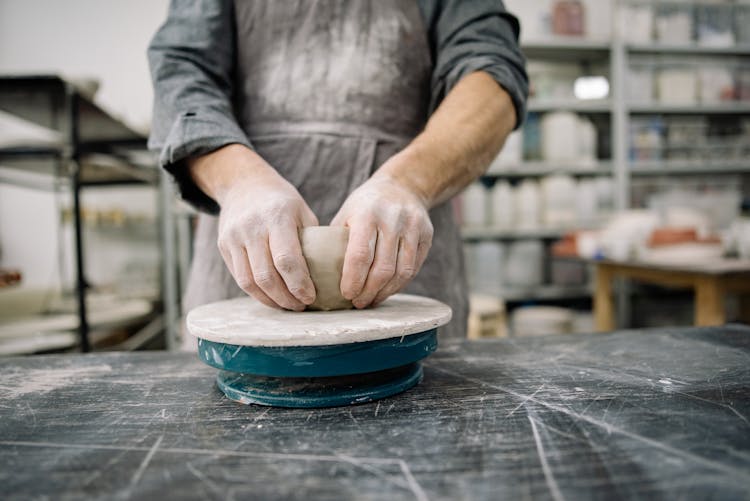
{"points": [[460, 140], [228, 167]]}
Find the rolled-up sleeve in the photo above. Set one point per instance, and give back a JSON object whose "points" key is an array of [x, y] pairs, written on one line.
{"points": [[191, 58], [477, 35]]}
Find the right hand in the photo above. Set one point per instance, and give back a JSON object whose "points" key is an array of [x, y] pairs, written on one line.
{"points": [[261, 214]]}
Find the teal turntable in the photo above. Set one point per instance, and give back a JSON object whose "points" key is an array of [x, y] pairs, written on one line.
{"points": [[317, 358]]}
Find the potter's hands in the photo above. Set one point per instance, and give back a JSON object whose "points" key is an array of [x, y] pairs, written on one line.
{"points": [[259, 222], [390, 234]]}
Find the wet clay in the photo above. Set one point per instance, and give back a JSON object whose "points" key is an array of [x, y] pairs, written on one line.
{"points": [[324, 248]]}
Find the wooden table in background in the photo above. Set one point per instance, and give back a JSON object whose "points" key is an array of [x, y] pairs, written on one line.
{"points": [[711, 282]]}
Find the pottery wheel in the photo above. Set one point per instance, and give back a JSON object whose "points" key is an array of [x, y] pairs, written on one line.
{"points": [[316, 358]]}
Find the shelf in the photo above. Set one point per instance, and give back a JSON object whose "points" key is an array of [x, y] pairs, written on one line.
{"points": [[82, 144], [96, 169], [540, 293], [690, 50], [539, 169], [579, 106], [491, 233], [568, 48], [40, 99], [735, 108], [665, 167]]}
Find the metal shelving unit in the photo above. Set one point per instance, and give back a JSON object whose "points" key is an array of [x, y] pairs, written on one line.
{"points": [[732, 108], [592, 106], [473, 233], [540, 169], [661, 168], [95, 150], [688, 50], [545, 293], [618, 112]]}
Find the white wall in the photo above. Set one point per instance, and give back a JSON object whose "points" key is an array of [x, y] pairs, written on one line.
{"points": [[103, 39]]}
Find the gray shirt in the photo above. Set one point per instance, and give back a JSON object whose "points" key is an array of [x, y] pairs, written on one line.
{"points": [[192, 59]]}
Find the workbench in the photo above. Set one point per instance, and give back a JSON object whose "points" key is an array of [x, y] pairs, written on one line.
{"points": [[711, 282], [659, 414]]}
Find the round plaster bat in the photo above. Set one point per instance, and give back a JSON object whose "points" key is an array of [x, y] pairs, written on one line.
{"points": [[324, 248]]}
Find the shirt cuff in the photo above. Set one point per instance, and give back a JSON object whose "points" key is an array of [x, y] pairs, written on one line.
{"points": [[196, 133], [501, 73]]}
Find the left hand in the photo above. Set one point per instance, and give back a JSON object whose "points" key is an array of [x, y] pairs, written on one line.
{"points": [[390, 234]]}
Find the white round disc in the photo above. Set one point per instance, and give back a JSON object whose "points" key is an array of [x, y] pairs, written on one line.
{"points": [[245, 321]]}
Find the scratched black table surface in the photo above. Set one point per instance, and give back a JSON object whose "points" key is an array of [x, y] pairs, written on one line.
{"points": [[633, 415]]}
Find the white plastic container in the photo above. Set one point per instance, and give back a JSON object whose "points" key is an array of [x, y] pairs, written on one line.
{"points": [[559, 201], [566, 137], [528, 205], [640, 86], [511, 154], [542, 320], [636, 23], [587, 203], [716, 84], [524, 266], [586, 142], [503, 206], [474, 201], [489, 267], [674, 24], [678, 85], [560, 140]]}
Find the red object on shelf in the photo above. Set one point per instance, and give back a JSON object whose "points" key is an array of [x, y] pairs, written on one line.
{"points": [[568, 18], [661, 237], [9, 277], [566, 246]]}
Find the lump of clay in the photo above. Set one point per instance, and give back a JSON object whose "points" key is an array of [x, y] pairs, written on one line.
{"points": [[324, 248]]}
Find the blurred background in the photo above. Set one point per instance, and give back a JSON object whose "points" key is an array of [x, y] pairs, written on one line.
{"points": [[635, 151]]}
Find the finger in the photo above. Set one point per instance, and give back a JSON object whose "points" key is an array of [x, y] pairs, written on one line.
{"points": [[268, 279], [382, 270], [360, 252], [239, 267], [423, 249], [406, 267], [243, 275], [308, 217], [289, 262]]}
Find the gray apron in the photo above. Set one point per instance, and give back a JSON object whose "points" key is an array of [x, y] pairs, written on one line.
{"points": [[327, 91]]}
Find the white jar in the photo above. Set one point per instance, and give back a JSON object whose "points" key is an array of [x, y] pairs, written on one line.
{"points": [[503, 206], [528, 205], [559, 201], [474, 200], [524, 266]]}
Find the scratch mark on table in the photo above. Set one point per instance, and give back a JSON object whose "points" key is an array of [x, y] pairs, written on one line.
{"points": [[554, 489], [203, 478], [203, 452], [607, 426], [415, 487], [725, 406], [389, 409], [377, 409], [261, 415], [33, 414], [355, 421], [144, 464], [404, 484], [524, 401]]}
